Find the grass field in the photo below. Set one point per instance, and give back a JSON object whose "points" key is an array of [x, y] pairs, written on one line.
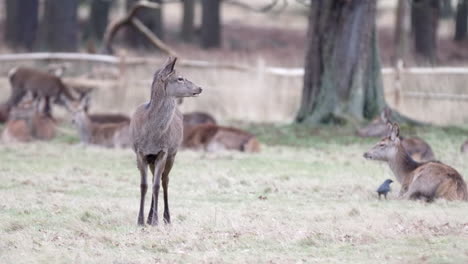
{"points": [[309, 197]]}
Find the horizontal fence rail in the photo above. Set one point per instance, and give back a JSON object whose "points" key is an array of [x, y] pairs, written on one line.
{"points": [[277, 71]]}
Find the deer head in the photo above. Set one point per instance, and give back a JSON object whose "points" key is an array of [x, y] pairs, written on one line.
{"points": [[174, 85], [378, 127], [388, 147]]}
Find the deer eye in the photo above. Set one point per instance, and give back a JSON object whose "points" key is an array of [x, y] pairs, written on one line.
{"points": [[180, 79]]}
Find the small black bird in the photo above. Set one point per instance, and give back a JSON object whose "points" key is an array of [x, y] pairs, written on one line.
{"points": [[384, 188]]}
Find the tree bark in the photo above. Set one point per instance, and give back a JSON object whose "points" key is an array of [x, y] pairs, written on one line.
{"points": [[98, 19], [402, 30], [188, 20], [211, 24], [151, 18], [21, 23], [425, 21], [461, 20], [60, 25], [342, 78]]}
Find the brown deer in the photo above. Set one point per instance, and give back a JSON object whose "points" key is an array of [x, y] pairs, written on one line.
{"points": [[111, 135], [157, 128], [84, 94], [416, 147], [213, 138], [198, 118], [4, 112], [41, 85], [26, 123], [419, 180]]}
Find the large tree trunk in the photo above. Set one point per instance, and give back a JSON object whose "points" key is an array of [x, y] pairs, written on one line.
{"points": [[211, 24], [152, 18], [187, 21], [425, 21], [402, 30], [60, 25], [342, 70], [98, 19], [21, 23], [461, 20]]}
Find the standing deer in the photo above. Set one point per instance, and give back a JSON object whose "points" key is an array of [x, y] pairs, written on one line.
{"points": [[108, 134], [416, 147], [41, 85], [428, 180], [156, 129]]}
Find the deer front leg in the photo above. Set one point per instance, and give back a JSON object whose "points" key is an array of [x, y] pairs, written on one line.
{"points": [[159, 165], [142, 167]]}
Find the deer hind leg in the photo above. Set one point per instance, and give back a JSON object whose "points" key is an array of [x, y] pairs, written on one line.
{"points": [[159, 164], [165, 184], [143, 168]]}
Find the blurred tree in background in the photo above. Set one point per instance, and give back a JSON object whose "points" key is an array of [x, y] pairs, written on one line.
{"points": [[98, 20], [59, 25], [188, 20], [342, 70], [211, 24], [425, 22], [461, 20], [21, 23]]}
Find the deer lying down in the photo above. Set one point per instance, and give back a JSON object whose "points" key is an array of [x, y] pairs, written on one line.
{"points": [[26, 123], [416, 147], [215, 138], [425, 180], [109, 135], [198, 118]]}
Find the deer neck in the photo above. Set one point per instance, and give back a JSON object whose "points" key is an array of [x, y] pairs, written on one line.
{"points": [[161, 109], [402, 165], [85, 128]]}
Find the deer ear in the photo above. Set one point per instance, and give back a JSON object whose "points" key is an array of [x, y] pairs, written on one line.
{"points": [[395, 132], [168, 67]]}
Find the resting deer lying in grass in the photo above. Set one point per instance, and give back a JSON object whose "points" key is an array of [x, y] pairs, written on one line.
{"points": [[41, 85], [26, 123], [198, 118], [157, 130], [417, 148], [111, 135], [215, 138], [428, 180]]}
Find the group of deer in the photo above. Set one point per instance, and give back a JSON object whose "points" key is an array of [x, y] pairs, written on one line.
{"points": [[413, 163], [28, 111], [30, 119]]}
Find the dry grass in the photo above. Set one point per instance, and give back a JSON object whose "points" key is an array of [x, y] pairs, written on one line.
{"points": [[308, 197]]}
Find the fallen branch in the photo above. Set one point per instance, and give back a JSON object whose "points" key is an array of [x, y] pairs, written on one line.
{"points": [[130, 20]]}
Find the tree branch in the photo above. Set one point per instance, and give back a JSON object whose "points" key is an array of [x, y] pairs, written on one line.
{"points": [[117, 25]]}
